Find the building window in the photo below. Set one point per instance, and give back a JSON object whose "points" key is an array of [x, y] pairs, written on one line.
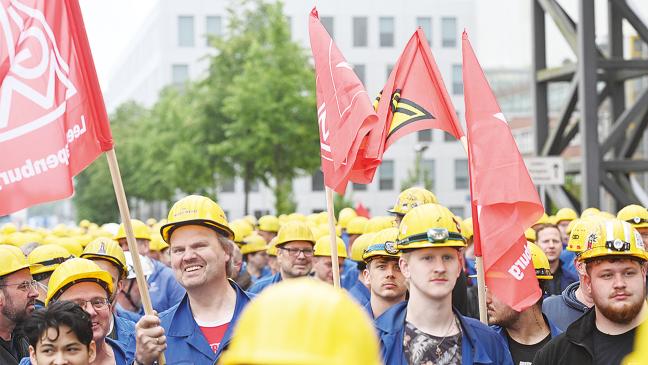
{"points": [[359, 187], [386, 175], [458, 211], [317, 181], [360, 71], [179, 74], [386, 26], [449, 32], [360, 31], [461, 174], [186, 31], [457, 80], [447, 137], [213, 26], [426, 25], [228, 185], [327, 22], [260, 213], [389, 70], [427, 170], [254, 186], [425, 135]]}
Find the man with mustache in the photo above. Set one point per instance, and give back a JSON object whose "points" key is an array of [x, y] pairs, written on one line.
{"points": [[382, 274], [616, 279], [426, 328], [17, 300]]}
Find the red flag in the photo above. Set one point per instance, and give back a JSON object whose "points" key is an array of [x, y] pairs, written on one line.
{"points": [[53, 121], [361, 210], [414, 98], [504, 199], [344, 111]]}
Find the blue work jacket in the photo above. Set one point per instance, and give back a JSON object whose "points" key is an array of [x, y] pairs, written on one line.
{"points": [[350, 274], [479, 343], [164, 288], [125, 330], [126, 314], [360, 293], [186, 343], [263, 283], [120, 355]]}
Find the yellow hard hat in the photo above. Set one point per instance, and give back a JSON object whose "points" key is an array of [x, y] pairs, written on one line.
{"points": [[566, 214], [467, 228], [73, 247], [84, 223], [296, 217], [151, 222], [634, 214], [8, 228], [530, 235], [386, 237], [323, 247], [109, 250], [140, 230], [360, 245], [272, 247], [428, 225], [377, 224], [590, 211], [618, 239], [345, 216], [74, 271], [544, 219], [48, 257], [357, 225], [197, 210], [584, 234], [241, 230], [251, 219], [253, 243], [21, 238], [294, 231], [540, 262], [553, 219], [13, 259], [269, 223], [411, 198], [157, 243], [325, 327], [60, 230], [606, 215]]}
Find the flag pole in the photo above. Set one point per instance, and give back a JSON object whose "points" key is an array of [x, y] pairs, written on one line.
{"points": [[130, 236], [479, 260], [333, 237]]}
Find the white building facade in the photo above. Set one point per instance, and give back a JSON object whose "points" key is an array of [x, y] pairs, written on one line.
{"points": [[171, 46]]}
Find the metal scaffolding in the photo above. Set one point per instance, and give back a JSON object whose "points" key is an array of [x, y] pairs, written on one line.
{"points": [[596, 80]]}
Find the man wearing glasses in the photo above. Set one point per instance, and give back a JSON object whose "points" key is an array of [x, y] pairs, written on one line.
{"points": [[295, 251], [83, 282], [17, 300]]}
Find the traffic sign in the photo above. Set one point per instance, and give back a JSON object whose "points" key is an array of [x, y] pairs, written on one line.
{"points": [[546, 170]]}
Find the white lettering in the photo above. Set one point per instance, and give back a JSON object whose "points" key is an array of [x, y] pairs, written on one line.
{"points": [[27, 169], [52, 161], [517, 269]]}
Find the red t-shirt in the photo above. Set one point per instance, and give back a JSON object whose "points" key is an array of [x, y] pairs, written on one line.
{"points": [[214, 335]]}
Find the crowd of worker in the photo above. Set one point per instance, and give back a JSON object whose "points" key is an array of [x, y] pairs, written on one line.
{"points": [[260, 291]]}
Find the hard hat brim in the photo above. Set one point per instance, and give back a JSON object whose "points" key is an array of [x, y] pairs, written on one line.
{"points": [[167, 230]]}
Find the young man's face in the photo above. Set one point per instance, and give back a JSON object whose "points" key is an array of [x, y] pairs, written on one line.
{"points": [[323, 268], [550, 242], [61, 346], [432, 271], [83, 294], [617, 287], [385, 279]]}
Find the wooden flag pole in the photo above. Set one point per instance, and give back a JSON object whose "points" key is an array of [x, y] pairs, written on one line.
{"points": [[479, 261], [130, 236], [332, 236]]}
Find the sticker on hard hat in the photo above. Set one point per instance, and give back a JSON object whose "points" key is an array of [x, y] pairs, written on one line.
{"points": [[390, 248], [438, 234]]}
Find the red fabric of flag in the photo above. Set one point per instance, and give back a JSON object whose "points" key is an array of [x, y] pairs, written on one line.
{"points": [[361, 210], [414, 98], [502, 191], [344, 111], [53, 121]]}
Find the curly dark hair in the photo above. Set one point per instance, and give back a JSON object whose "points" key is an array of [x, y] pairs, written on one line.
{"points": [[63, 313]]}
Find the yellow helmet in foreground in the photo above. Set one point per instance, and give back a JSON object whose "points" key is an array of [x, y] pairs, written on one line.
{"points": [[196, 210], [386, 237], [103, 248], [634, 214], [140, 230], [429, 225], [325, 327], [411, 198], [584, 235], [48, 257], [74, 271], [619, 239], [295, 231], [359, 246]]}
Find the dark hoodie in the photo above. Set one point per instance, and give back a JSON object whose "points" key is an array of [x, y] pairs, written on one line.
{"points": [[562, 310]]}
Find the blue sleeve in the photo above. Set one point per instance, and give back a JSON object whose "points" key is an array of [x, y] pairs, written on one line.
{"points": [[502, 353]]}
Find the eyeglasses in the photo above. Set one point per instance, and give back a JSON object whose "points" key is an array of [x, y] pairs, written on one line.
{"points": [[97, 303], [25, 286], [294, 252]]}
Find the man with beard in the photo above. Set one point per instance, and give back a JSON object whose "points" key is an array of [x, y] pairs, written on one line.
{"points": [[17, 300], [616, 280], [527, 331], [295, 244], [383, 276], [199, 328]]}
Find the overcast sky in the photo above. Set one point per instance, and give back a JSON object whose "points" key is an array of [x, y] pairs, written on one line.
{"points": [[502, 37]]}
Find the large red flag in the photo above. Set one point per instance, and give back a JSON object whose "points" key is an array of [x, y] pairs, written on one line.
{"points": [[504, 199], [414, 98], [53, 121], [344, 111]]}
